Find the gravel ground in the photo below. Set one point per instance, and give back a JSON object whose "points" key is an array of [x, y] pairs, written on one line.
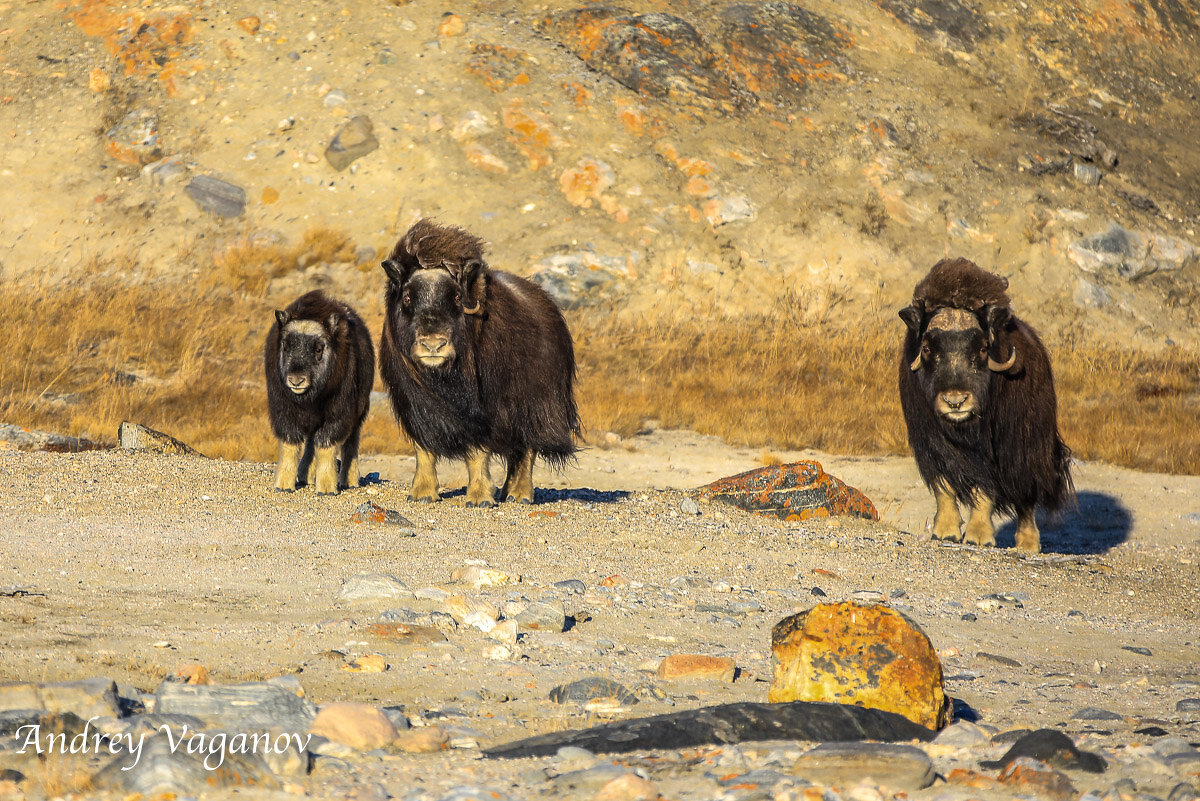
{"points": [[131, 565]]}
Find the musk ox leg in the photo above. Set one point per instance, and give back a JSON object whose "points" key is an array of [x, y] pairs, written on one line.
{"points": [[325, 467], [480, 490], [348, 466], [304, 475], [980, 530], [947, 523], [425, 482], [518, 485], [1028, 537], [287, 468]]}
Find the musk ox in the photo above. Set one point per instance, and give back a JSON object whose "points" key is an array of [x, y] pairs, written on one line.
{"points": [[320, 365], [477, 362], [978, 400]]}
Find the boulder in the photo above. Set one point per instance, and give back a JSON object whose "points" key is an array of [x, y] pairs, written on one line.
{"points": [[796, 491], [869, 656], [137, 437]]}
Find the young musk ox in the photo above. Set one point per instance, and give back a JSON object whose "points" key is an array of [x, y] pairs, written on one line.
{"points": [[320, 365], [978, 400], [477, 362]]}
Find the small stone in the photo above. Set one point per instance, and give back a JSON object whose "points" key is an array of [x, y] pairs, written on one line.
{"points": [[334, 97], [538, 615], [797, 491], [696, 666], [588, 779], [1028, 775], [354, 140], [98, 80], [250, 24], [1187, 705], [372, 587], [406, 633], [870, 656], [371, 512], [615, 580], [963, 734], [1137, 649], [479, 576], [460, 607], [969, 617], [1052, 747], [216, 196], [1090, 295], [134, 139], [592, 688], [629, 787], [498, 652], [1095, 713], [1130, 254], [191, 674], [422, 741], [689, 507], [899, 767], [998, 659], [451, 25], [505, 632], [1087, 174], [691, 583], [367, 663], [360, 726], [572, 585], [724, 210]]}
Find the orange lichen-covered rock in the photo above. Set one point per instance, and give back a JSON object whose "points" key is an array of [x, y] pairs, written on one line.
{"points": [[868, 656], [796, 491], [499, 67]]}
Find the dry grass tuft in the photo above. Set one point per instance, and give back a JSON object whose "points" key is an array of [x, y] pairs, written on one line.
{"points": [[250, 263], [187, 361]]}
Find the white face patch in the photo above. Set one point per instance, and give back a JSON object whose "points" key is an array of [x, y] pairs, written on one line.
{"points": [[310, 328], [953, 320]]}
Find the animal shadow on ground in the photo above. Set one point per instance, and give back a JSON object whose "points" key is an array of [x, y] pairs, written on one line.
{"points": [[540, 496], [1096, 523]]}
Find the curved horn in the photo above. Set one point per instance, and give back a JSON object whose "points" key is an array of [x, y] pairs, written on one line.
{"points": [[476, 309], [1001, 368], [425, 265], [916, 363]]}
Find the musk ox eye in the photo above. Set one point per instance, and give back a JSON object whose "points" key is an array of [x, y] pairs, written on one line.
{"points": [[458, 298], [407, 299]]}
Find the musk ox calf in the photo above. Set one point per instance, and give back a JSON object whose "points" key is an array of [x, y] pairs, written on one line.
{"points": [[320, 365], [477, 362], [978, 400]]}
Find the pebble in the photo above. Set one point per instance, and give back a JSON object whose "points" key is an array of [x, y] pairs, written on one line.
{"points": [[479, 576], [360, 726], [629, 787], [689, 507], [134, 139], [371, 512], [353, 140], [899, 767], [216, 196], [1095, 713], [1137, 649], [1187, 705], [592, 688], [690, 583], [460, 607], [164, 171], [696, 666], [537, 615], [422, 741], [963, 734], [372, 587], [572, 585], [1087, 174]]}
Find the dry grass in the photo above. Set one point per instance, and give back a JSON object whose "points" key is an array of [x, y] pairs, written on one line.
{"points": [[250, 263], [195, 358]]}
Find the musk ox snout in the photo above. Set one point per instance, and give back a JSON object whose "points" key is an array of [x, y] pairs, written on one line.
{"points": [[298, 383], [433, 350], [956, 405]]}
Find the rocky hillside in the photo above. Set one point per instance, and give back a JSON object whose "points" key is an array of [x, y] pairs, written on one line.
{"points": [[686, 158]]}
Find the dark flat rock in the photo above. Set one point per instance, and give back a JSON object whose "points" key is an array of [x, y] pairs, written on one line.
{"points": [[728, 723], [1095, 713], [1052, 747], [218, 197], [590, 689]]}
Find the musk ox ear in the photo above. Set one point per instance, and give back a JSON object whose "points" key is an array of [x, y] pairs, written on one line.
{"points": [[473, 279], [396, 272], [281, 317], [1002, 354], [911, 316]]}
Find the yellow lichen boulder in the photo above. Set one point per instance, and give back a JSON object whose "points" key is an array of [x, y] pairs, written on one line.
{"points": [[869, 656]]}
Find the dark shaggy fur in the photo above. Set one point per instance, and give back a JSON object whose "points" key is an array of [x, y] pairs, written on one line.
{"points": [[1010, 450], [330, 413], [508, 389]]}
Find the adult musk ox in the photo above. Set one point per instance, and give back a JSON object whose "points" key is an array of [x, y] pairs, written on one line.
{"points": [[477, 362], [320, 365], [978, 400]]}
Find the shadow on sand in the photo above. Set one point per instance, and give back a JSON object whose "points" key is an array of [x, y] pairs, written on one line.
{"points": [[540, 496], [1097, 523]]}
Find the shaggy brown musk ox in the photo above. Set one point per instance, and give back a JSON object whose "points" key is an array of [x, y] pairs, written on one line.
{"points": [[978, 399], [320, 365], [477, 362]]}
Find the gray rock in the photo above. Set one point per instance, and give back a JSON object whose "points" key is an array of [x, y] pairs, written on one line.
{"points": [[963, 734], [572, 585], [1174, 746], [691, 583], [1187, 705], [689, 507], [254, 706], [24, 439], [1091, 296], [1137, 649], [86, 698], [472, 793], [1130, 254], [164, 171], [538, 615], [371, 512], [578, 279], [137, 437], [217, 196], [397, 717], [765, 779], [1094, 713], [354, 140], [153, 723], [164, 766], [590, 689], [135, 138], [1051, 747], [725, 210], [334, 97], [588, 780], [725, 724], [899, 767], [1183, 791], [1087, 174], [372, 587]]}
